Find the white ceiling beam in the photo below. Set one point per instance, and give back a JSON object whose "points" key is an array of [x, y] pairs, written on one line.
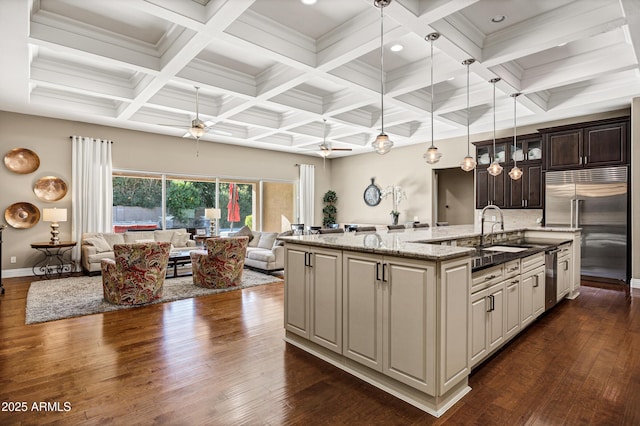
{"points": [[574, 21]]}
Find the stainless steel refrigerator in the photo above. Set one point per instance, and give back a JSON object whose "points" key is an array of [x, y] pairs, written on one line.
{"points": [[595, 200]]}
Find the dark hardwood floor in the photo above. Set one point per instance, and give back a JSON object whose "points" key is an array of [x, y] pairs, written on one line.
{"points": [[221, 360]]}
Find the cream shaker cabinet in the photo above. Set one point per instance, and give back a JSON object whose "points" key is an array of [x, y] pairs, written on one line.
{"points": [[389, 316], [313, 296]]}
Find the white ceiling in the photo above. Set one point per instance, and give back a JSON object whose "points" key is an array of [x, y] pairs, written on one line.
{"points": [[270, 71]]}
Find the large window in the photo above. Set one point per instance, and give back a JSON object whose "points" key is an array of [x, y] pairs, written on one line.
{"points": [[158, 201]]}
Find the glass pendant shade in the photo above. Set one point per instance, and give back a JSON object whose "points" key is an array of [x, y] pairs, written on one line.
{"points": [[382, 144], [468, 163], [494, 168], [515, 173], [432, 156]]}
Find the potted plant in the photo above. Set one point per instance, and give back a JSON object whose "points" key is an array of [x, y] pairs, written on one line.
{"points": [[329, 211], [397, 194]]}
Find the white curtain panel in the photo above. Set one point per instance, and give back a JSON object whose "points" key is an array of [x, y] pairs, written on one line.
{"points": [[92, 193], [306, 194]]}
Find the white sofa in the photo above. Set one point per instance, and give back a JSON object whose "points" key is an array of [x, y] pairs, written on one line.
{"points": [[98, 246], [265, 252]]}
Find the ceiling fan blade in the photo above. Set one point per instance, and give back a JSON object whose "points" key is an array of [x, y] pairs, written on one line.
{"points": [[341, 149], [173, 125]]}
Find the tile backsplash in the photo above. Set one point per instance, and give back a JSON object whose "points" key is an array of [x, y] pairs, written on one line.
{"points": [[516, 217]]}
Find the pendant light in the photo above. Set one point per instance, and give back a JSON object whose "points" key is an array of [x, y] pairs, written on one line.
{"points": [[382, 144], [494, 168], [515, 173], [432, 155], [468, 163]]}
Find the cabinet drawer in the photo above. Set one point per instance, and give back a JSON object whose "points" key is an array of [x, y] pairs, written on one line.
{"points": [[565, 249], [533, 261], [483, 279], [511, 269]]}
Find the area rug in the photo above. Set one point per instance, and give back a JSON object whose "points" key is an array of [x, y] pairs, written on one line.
{"points": [[50, 300]]}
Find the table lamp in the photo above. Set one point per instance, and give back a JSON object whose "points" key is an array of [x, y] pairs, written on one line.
{"points": [[54, 216], [213, 214]]}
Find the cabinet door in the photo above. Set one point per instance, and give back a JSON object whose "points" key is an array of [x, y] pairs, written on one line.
{"points": [[563, 149], [496, 324], [538, 291], [564, 276], [409, 323], [326, 298], [296, 288], [526, 192], [478, 338], [605, 145], [512, 306], [490, 189], [362, 309], [526, 299]]}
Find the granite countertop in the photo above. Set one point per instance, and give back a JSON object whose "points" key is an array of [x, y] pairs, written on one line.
{"points": [[419, 243]]}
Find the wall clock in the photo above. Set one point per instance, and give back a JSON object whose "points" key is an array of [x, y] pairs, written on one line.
{"points": [[372, 194]]}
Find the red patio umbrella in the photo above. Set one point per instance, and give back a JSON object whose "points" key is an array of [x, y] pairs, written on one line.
{"points": [[233, 206]]}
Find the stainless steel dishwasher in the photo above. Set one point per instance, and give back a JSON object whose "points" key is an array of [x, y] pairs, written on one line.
{"points": [[551, 278]]}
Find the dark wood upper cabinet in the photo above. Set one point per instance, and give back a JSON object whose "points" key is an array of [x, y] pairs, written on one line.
{"points": [[594, 144], [501, 190]]}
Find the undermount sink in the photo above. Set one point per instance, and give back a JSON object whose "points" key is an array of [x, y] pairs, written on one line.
{"points": [[509, 249]]}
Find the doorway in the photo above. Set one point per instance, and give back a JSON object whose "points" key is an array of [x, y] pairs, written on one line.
{"points": [[455, 203]]}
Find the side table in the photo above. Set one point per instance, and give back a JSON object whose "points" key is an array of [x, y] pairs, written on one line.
{"points": [[53, 256]]}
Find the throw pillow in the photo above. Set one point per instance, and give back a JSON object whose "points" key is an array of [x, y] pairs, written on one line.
{"points": [[99, 243], [267, 239], [180, 239], [164, 236], [245, 231]]}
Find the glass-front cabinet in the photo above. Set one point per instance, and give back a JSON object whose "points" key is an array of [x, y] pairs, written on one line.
{"points": [[501, 190]]}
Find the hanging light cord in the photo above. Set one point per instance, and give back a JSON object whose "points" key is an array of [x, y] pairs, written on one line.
{"points": [[382, 66], [515, 147], [468, 110], [432, 92]]}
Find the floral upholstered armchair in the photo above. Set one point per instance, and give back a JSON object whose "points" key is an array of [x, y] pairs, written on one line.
{"points": [[221, 265], [137, 274]]}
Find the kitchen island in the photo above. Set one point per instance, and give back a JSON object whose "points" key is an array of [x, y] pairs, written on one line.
{"points": [[391, 307]]}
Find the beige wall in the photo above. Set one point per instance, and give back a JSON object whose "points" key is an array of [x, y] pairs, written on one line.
{"points": [[132, 150]]}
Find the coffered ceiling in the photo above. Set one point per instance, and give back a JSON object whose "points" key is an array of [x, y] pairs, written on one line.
{"points": [[270, 71]]}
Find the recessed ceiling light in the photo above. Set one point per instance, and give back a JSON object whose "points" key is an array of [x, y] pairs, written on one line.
{"points": [[397, 47], [308, 2], [498, 18]]}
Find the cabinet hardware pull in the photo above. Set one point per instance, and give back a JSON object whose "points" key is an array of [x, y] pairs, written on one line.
{"points": [[377, 271], [493, 302], [514, 282], [488, 299], [306, 259], [537, 282], [384, 270], [490, 277], [310, 265]]}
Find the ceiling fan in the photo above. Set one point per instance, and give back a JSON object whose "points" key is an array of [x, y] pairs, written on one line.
{"points": [[198, 127], [325, 148]]}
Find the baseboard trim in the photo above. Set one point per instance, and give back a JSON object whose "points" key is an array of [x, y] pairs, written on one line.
{"points": [[635, 282]]}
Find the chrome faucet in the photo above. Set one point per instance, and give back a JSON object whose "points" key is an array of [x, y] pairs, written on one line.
{"points": [[482, 220]]}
